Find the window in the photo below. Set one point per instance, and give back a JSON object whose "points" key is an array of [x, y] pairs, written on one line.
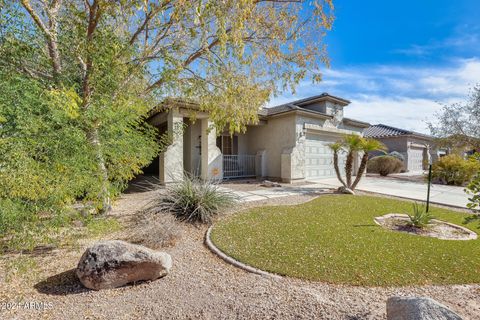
{"points": [[228, 144]]}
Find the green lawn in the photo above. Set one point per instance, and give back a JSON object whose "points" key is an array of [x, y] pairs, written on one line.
{"points": [[334, 239]]}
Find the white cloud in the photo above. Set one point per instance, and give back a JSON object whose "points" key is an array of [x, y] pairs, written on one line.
{"points": [[402, 96], [401, 112], [415, 50], [466, 37]]}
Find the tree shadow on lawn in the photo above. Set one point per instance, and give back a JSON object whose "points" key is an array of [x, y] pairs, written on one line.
{"points": [[61, 284], [38, 251], [365, 225]]}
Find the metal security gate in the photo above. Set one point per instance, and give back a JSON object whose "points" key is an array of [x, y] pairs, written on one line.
{"points": [[238, 166]]}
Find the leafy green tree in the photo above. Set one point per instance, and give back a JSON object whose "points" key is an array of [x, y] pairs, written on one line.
{"points": [[107, 63], [352, 145], [230, 56], [70, 131]]}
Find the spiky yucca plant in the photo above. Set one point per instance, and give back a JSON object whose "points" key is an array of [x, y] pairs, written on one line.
{"points": [[353, 144], [193, 200]]}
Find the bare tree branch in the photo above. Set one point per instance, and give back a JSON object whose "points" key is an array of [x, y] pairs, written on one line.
{"points": [[26, 4], [49, 32], [35, 73], [94, 13], [190, 59]]}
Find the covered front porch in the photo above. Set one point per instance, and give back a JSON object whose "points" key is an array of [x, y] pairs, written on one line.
{"points": [[196, 149]]}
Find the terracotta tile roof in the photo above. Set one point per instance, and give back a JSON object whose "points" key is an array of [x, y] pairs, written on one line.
{"points": [[384, 131]]}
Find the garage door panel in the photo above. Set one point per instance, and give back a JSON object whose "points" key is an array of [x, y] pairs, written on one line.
{"points": [[319, 157], [415, 159]]}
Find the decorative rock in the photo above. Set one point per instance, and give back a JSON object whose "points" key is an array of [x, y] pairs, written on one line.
{"points": [[114, 263], [270, 184], [418, 308], [345, 190]]}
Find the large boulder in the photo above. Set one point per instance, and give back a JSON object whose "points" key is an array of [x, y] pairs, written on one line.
{"points": [[418, 308], [114, 263]]}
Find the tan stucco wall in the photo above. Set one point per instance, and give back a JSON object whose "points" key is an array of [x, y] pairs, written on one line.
{"points": [[395, 144], [171, 163], [283, 139], [191, 152], [327, 107], [273, 137], [351, 128], [401, 144], [243, 144]]}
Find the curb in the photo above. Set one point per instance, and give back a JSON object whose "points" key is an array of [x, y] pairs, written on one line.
{"points": [[234, 262], [416, 200]]}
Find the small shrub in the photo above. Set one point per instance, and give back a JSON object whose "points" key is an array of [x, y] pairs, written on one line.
{"points": [[23, 229], [98, 226], [384, 165], [194, 200], [397, 155], [455, 170], [14, 214], [154, 230], [420, 218]]}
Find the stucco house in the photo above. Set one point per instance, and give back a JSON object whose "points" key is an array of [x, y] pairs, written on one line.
{"points": [[414, 146], [289, 143]]}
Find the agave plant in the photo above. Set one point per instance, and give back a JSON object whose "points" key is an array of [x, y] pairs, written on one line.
{"points": [[420, 217], [353, 144]]}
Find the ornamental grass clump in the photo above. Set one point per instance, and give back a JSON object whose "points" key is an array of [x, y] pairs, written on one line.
{"points": [[194, 200], [420, 217]]}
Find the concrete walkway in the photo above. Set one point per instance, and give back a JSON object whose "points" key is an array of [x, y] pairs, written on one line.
{"points": [[277, 192], [439, 194]]}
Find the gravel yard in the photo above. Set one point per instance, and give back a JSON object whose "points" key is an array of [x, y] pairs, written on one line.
{"points": [[202, 286]]}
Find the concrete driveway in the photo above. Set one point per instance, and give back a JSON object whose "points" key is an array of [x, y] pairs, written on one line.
{"points": [[439, 194]]}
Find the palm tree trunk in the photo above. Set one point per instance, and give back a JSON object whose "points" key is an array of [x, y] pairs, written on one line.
{"points": [[348, 169], [361, 170], [337, 169]]}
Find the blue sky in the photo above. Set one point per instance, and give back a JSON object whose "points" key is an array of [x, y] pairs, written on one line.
{"points": [[397, 61]]}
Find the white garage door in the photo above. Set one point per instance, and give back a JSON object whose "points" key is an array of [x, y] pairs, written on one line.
{"points": [[319, 157], [415, 159]]}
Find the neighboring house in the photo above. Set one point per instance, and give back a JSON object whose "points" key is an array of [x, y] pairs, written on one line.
{"points": [[412, 145], [289, 143]]}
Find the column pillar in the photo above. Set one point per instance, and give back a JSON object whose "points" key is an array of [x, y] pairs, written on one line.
{"points": [[211, 157], [171, 160]]}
